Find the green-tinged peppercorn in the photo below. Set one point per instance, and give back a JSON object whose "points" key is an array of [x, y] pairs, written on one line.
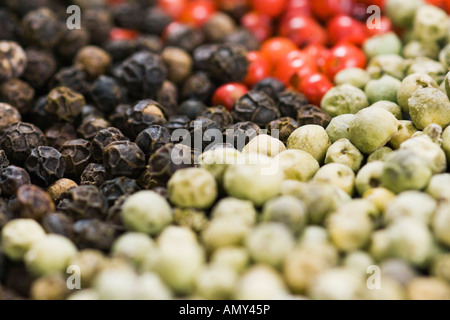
{"points": [[402, 13], [225, 232], [133, 247], [344, 152], [235, 208], [369, 177], [380, 154], [424, 147], [387, 43], [406, 130], [215, 282], [236, 258], [385, 88], [287, 210], [431, 23], [392, 107], [387, 64], [312, 139], [218, 160], [193, 219], [429, 105], [416, 49], [441, 224], [265, 145], [427, 66], [297, 165], [339, 127], [354, 76], [344, 99], [338, 283], [411, 204], [439, 187], [410, 85], [338, 175]]}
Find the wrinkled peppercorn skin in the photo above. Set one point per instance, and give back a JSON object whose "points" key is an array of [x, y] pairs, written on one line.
{"points": [[83, 202], [103, 138], [153, 138], [289, 102], [257, 107], [228, 63], [142, 115], [113, 189], [95, 174], [123, 158], [285, 127], [76, 154], [17, 93], [58, 223], [12, 178], [45, 165], [60, 133], [311, 114], [65, 103], [95, 234], [31, 202]]}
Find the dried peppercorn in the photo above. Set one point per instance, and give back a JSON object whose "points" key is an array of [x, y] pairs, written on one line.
{"points": [[58, 223], [19, 139], [60, 187], [12, 178], [42, 28], [285, 127], [119, 117], [31, 202], [220, 115], [94, 174], [142, 115], [243, 38], [107, 93], [19, 280], [17, 93], [257, 107], [59, 133], [9, 29], [167, 96], [93, 60], [150, 43], [45, 165], [119, 50], [65, 103], [76, 154], [311, 114], [123, 158], [218, 27], [73, 78], [179, 63], [128, 15], [13, 60], [177, 122], [113, 189], [40, 68], [99, 23], [228, 63], [198, 86], [91, 125], [289, 102], [154, 21], [83, 202], [240, 134], [4, 162], [192, 108], [203, 129], [153, 138], [114, 212], [103, 138], [183, 36], [71, 41], [8, 115], [142, 74], [94, 234]]}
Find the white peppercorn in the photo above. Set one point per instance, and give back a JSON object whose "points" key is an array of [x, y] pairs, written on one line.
{"points": [[216, 282], [312, 139], [369, 177], [439, 187], [297, 165], [192, 187], [224, 232], [133, 247], [410, 85], [413, 204], [266, 145], [398, 270], [146, 211], [84, 295], [90, 262], [149, 286], [432, 153], [344, 152], [235, 208], [236, 258], [441, 266], [423, 288], [288, 210], [49, 287], [429, 105], [358, 261], [338, 284], [216, 161], [441, 224], [116, 284], [18, 236], [50, 254], [406, 130], [338, 175], [338, 127], [380, 197], [380, 154]]}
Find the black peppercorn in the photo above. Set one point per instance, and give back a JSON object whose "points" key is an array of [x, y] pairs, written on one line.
{"points": [[270, 86], [119, 117], [22, 7], [71, 41], [114, 214], [31, 202], [13, 60], [153, 138], [123, 158], [206, 131], [119, 50], [60, 187], [311, 114], [167, 96], [192, 108], [95, 234], [199, 87], [142, 74], [202, 54], [115, 188], [40, 67], [150, 43], [142, 115], [240, 134], [177, 122], [58, 223], [154, 21], [19, 139], [107, 93], [257, 107], [183, 36], [8, 115], [93, 60], [128, 15], [73, 78], [45, 165], [38, 116], [99, 23], [18, 280], [17, 93], [9, 26], [42, 28], [218, 27], [289, 102], [103, 138], [244, 38], [220, 115], [83, 202], [4, 162], [285, 127], [91, 125], [12, 178], [76, 154], [59, 133], [91, 111], [94, 174], [179, 63], [148, 180], [228, 63], [64, 103]]}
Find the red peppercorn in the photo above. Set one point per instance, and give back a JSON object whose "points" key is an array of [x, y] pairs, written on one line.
{"points": [[344, 28], [326, 9], [272, 8], [385, 26], [296, 7], [197, 12], [118, 34], [295, 63], [258, 69], [277, 48], [319, 53], [314, 87], [173, 8], [258, 23], [379, 3], [228, 94], [343, 56], [303, 30]]}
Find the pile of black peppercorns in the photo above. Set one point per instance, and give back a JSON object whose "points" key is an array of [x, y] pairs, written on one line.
{"points": [[86, 121]]}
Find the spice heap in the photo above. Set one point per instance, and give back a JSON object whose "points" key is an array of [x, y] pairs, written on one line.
{"points": [[245, 149]]}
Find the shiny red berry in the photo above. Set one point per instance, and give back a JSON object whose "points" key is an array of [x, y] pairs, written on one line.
{"points": [[296, 63], [326, 9], [258, 69], [314, 87], [272, 8], [228, 94], [258, 23], [344, 28], [302, 30], [344, 56], [173, 8], [118, 34], [197, 12], [277, 48]]}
